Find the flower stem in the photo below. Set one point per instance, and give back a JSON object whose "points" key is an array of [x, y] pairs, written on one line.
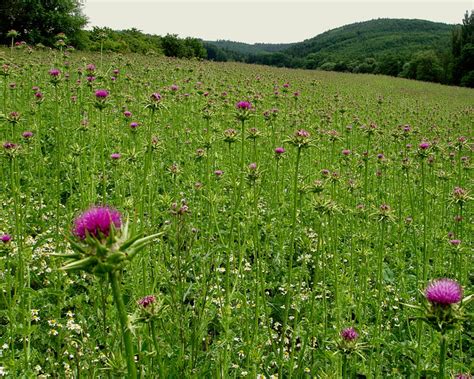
{"points": [[442, 357], [124, 324]]}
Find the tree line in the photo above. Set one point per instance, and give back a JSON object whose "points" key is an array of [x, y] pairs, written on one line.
{"points": [[51, 23]]}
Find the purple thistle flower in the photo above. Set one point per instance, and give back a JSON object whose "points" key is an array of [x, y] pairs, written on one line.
{"points": [[302, 133], [54, 72], [424, 145], [134, 125], [218, 173], [127, 114], [146, 301], [27, 134], [346, 152], [9, 145], [252, 166], [455, 242], [349, 334], [5, 238], [101, 94], [279, 150], [155, 97], [96, 222], [115, 156], [90, 67], [243, 105], [443, 292]]}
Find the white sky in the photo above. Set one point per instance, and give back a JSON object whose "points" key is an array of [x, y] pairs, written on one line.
{"points": [[262, 20]]}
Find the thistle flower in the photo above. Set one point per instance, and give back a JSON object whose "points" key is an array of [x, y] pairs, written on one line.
{"points": [[5, 238], [243, 110], [349, 334], [455, 242], [443, 292], [101, 94], [346, 152], [243, 105], [156, 97], [146, 301], [96, 222], [27, 134], [115, 156], [424, 145], [300, 138], [54, 72]]}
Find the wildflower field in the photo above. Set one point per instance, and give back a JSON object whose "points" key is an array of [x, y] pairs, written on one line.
{"points": [[282, 223]]}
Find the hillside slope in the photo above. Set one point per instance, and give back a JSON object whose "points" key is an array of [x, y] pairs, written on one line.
{"points": [[375, 38]]}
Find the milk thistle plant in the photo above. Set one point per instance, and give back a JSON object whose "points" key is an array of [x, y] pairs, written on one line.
{"points": [[443, 310], [103, 246]]}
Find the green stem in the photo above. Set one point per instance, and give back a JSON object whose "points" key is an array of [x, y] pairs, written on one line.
{"points": [[442, 357], [290, 262], [124, 324]]}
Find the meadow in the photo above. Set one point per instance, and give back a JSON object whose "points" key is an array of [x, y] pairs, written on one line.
{"points": [[295, 220]]}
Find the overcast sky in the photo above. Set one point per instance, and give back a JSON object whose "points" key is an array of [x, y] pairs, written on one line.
{"points": [[262, 20]]}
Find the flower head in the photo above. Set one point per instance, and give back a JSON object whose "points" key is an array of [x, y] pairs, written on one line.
{"points": [[146, 301], [349, 334], [443, 292], [5, 238], [279, 151], [54, 72], [96, 222], [101, 94], [155, 97], [243, 105]]}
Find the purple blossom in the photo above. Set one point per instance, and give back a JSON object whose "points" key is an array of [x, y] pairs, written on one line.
{"points": [[27, 134], [134, 125], [54, 72], [252, 166], [101, 94], [155, 97], [5, 238], [9, 145], [218, 173], [127, 114], [424, 145], [279, 150], [96, 222], [346, 152], [349, 334], [302, 133], [243, 105], [115, 156], [443, 292], [146, 301], [455, 242]]}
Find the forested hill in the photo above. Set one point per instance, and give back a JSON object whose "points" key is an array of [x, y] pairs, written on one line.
{"points": [[375, 38], [246, 48], [415, 49]]}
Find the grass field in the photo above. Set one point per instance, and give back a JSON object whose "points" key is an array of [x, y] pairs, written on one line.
{"points": [[264, 255]]}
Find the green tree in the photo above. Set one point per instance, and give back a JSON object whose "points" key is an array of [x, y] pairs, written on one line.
{"points": [[39, 21], [462, 48]]}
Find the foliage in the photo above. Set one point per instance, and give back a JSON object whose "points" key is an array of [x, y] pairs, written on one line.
{"points": [[39, 21]]}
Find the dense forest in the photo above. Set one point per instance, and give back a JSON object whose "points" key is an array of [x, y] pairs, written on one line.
{"points": [[413, 49]]}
